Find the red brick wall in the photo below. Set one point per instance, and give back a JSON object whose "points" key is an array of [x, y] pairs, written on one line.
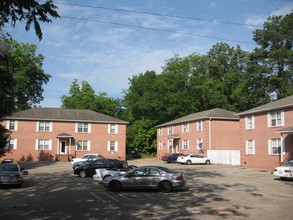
{"points": [[26, 136], [215, 135], [261, 134]]}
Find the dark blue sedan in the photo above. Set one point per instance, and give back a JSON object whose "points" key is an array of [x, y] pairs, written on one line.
{"points": [[172, 158]]}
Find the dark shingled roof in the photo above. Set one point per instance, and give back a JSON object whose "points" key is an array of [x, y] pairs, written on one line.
{"points": [[59, 114], [279, 104], [215, 113]]}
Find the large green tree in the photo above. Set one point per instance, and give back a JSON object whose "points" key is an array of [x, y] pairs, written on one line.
{"points": [[30, 11], [275, 54], [83, 97]]}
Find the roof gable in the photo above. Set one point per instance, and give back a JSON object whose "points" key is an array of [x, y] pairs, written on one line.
{"points": [[215, 113], [276, 105], [59, 114]]}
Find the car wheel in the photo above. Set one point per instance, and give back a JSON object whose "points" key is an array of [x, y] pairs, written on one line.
{"points": [[188, 162], [115, 186], [208, 162], [82, 173], [165, 187]]}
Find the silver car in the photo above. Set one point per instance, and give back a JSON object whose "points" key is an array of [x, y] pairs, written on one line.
{"points": [[11, 174], [146, 177]]}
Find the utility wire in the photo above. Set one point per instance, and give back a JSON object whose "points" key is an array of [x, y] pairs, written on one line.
{"points": [[156, 29], [159, 14]]}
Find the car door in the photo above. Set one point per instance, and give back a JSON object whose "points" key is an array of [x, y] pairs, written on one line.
{"points": [[135, 179], [197, 159]]}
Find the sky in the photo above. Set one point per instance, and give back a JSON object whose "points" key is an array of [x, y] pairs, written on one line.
{"points": [[107, 42]]}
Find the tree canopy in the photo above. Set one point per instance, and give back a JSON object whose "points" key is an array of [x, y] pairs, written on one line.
{"points": [[12, 11]]}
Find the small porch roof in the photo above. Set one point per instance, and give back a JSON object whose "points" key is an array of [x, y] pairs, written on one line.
{"points": [[64, 135], [287, 130]]}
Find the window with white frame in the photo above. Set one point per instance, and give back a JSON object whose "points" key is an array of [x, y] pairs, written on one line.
{"points": [[250, 147], [12, 125], [112, 146], [249, 122], [43, 144], [113, 128], [199, 144], [170, 130], [44, 126], [274, 146], [185, 144], [11, 145], [199, 125], [160, 145], [83, 145], [275, 119], [160, 131], [185, 127], [82, 127]]}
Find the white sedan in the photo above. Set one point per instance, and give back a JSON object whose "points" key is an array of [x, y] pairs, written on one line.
{"points": [[86, 157], [285, 171], [193, 159]]}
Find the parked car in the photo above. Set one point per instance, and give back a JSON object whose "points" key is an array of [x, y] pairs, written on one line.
{"points": [[11, 174], [193, 159], [146, 177], [7, 161], [86, 157], [285, 171], [89, 169], [103, 173], [172, 158]]}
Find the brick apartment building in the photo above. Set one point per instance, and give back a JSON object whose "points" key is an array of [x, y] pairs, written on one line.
{"points": [[261, 137], [266, 134], [61, 134], [213, 133]]}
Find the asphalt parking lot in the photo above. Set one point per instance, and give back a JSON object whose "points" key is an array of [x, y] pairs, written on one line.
{"points": [[51, 191]]}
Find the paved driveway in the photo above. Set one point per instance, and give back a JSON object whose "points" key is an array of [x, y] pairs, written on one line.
{"points": [[51, 191]]}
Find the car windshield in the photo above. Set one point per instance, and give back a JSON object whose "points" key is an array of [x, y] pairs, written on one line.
{"points": [[8, 167], [289, 164]]}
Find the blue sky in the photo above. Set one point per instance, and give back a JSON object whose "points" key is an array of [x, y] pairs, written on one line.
{"points": [[106, 42]]}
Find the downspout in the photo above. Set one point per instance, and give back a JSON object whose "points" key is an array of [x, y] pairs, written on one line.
{"points": [[210, 133]]}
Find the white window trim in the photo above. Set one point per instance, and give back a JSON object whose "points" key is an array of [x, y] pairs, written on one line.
{"points": [[269, 119], [15, 125], [116, 128], [199, 141], [50, 126], [199, 125], [270, 146], [183, 141], [247, 124], [170, 129], [88, 145], [37, 144], [109, 145], [89, 127], [185, 127], [247, 147]]}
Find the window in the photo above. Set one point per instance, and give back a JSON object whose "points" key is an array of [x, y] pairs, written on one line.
{"points": [[112, 146], [43, 126], [12, 125], [170, 130], [199, 125], [160, 131], [250, 147], [160, 145], [185, 144], [199, 144], [249, 122], [113, 129], [11, 145], [82, 145], [185, 127], [43, 144], [275, 146], [83, 127], [275, 119]]}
